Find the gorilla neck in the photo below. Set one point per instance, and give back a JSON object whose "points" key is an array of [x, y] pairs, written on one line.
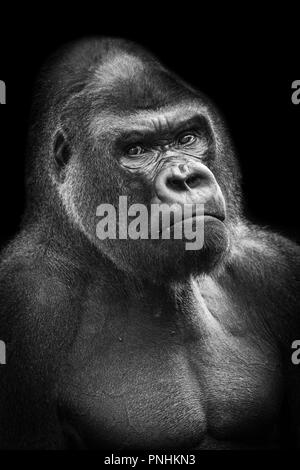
{"points": [[65, 245], [86, 264]]}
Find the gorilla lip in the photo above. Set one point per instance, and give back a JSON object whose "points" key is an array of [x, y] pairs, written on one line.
{"points": [[220, 217], [193, 218]]}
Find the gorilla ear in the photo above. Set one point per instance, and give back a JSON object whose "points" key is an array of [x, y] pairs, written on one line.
{"points": [[62, 151]]}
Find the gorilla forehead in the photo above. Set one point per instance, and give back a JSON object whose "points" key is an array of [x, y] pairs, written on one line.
{"points": [[121, 66], [111, 74], [127, 82]]}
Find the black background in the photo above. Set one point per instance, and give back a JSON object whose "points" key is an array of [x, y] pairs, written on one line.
{"points": [[246, 69], [244, 60]]}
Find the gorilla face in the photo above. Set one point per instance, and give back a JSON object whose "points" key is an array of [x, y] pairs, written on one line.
{"points": [[138, 131]]}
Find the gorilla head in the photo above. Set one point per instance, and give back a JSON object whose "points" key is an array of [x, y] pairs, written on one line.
{"points": [[111, 121]]}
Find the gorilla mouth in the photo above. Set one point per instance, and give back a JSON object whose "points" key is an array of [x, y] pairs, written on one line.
{"points": [[176, 220], [191, 229]]}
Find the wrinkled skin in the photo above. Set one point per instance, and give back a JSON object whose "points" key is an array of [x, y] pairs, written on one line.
{"points": [[141, 344]]}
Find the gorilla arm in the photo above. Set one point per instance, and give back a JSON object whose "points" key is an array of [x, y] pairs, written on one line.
{"points": [[263, 270], [35, 325]]}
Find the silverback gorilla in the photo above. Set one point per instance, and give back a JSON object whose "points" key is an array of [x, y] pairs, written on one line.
{"points": [[136, 343]]}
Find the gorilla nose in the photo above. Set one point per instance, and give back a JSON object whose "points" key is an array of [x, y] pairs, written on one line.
{"points": [[182, 179], [190, 184]]}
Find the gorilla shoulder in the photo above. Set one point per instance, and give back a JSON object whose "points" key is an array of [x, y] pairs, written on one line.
{"points": [[36, 290], [265, 265]]}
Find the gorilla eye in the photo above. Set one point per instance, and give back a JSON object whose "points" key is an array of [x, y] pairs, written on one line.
{"points": [[135, 150], [187, 139]]}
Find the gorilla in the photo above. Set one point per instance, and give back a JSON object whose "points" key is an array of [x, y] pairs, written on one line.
{"points": [[122, 343]]}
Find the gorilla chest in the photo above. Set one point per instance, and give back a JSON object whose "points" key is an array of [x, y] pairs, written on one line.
{"points": [[162, 382]]}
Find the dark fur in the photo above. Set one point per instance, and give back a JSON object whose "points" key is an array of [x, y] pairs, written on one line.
{"points": [[138, 345]]}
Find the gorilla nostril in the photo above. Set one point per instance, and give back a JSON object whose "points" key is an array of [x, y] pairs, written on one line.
{"points": [[193, 181], [182, 183], [176, 184]]}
